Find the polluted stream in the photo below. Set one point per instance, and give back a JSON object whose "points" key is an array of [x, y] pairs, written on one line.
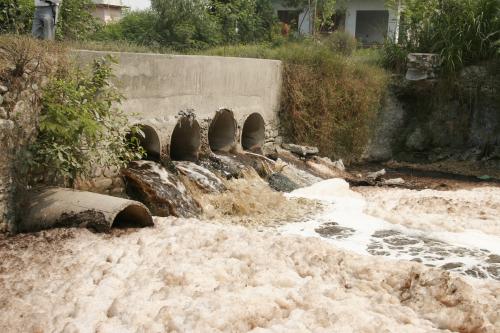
{"points": [[233, 255]]}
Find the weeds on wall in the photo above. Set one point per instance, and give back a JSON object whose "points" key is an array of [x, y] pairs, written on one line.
{"points": [[80, 126], [67, 118], [328, 100]]}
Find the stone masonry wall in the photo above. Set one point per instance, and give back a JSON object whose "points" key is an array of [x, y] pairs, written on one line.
{"points": [[6, 177]]}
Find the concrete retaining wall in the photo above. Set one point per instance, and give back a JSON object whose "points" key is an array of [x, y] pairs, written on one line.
{"points": [[157, 87]]}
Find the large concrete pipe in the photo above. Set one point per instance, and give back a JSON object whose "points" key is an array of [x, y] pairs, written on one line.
{"points": [[150, 142], [222, 131], [185, 141], [60, 207], [253, 134]]}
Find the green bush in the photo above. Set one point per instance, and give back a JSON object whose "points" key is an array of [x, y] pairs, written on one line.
{"points": [[80, 128], [15, 16], [342, 42], [75, 20], [463, 32], [394, 56], [136, 27]]}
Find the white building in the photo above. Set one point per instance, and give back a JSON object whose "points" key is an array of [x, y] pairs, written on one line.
{"points": [[370, 21], [108, 10]]}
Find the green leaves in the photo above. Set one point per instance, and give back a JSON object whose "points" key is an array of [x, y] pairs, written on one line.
{"points": [[80, 127], [462, 31], [15, 16]]}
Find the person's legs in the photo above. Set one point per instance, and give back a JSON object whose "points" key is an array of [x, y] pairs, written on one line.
{"points": [[43, 23], [37, 30], [49, 26]]}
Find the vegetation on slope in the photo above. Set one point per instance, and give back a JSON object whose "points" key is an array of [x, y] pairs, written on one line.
{"points": [[73, 124], [328, 100], [463, 32]]}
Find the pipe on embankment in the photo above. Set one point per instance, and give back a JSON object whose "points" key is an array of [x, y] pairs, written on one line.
{"points": [[60, 207]]}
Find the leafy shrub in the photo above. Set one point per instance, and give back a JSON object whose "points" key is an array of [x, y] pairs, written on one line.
{"points": [[394, 56], [342, 42], [463, 32], [137, 27], [15, 16], [75, 20], [80, 129]]}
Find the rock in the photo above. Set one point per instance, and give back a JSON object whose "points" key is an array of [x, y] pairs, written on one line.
{"points": [[3, 113], [281, 183], [102, 183], [394, 181], [339, 164], [416, 141], [3, 89], [111, 172], [1, 99], [376, 175], [6, 125], [300, 150], [269, 150], [422, 66]]}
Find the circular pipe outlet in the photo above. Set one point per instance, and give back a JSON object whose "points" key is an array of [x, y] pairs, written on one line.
{"points": [[185, 141], [253, 134], [222, 131], [150, 142]]}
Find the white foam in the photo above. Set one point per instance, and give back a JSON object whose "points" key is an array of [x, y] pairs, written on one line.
{"points": [[346, 208]]}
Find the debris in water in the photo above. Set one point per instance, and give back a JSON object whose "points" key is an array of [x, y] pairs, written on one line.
{"points": [[376, 175], [300, 150], [161, 191], [393, 181], [223, 165], [281, 183], [203, 178]]}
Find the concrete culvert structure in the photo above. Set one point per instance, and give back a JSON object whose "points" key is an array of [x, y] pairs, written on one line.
{"points": [[129, 217], [186, 140], [222, 131], [62, 207], [150, 142], [254, 132]]}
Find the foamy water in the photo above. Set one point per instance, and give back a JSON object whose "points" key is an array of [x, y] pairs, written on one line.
{"points": [[345, 224], [192, 276]]}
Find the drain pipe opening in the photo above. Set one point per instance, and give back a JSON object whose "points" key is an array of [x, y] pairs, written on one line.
{"points": [[186, 140], [150, 142], [133, 216], [222, 131], [254, 132]]}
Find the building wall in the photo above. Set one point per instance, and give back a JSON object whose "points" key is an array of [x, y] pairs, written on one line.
{"points": [[107, 14], [352, 6], [305, 27]]}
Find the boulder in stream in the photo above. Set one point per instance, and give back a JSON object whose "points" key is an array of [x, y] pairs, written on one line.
{"points": [[160, 190]]}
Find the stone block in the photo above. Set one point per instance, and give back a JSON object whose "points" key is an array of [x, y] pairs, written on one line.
{"points": [[101, 184], [300, 150], [422, 66]]}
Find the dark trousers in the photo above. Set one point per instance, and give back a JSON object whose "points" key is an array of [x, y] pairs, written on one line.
{"points": [[44, 26]]}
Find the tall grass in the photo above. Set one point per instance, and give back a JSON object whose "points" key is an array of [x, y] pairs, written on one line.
{"points": [[328, 100]]}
